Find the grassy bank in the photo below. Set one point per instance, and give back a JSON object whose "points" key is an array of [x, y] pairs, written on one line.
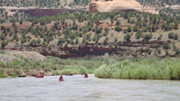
{"points": [[153, 68], [50, 66]]}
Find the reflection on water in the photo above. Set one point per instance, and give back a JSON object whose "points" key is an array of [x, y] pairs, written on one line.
{"points": [[78, 88]]}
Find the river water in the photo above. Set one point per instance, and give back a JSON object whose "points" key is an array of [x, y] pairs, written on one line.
{"points": [[78, 88]]}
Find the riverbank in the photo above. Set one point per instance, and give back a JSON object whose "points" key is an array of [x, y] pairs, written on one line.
{"points": [[152, 68], [102, 67], [51, 66]]}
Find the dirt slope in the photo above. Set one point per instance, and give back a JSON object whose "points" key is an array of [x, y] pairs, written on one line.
{"points": [[10, 55]]}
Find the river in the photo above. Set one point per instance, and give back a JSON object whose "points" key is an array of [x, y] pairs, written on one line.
{"points": [[78, 88]]}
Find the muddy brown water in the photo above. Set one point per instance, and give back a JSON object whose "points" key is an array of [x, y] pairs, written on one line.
{"points": [[78, 88]]}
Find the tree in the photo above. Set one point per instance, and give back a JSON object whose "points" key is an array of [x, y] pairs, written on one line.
{"points": [[56, 25], [15, 28], [2, 36], [171, 35], [3, 44], [176, 37], [33, 42], [129, 29], [15, 36], [21, 22], [135, 28], [3, 27], [98, 30], [144, 23], [112, 22], [145, 29], [106, 30], [127, 37], [125, 31], [147, 37], [118, 28], [153, 28], [118, 22], [176, 26], [38, 41], [77, 41], [139, 34], [126, 15], [166, 45]]}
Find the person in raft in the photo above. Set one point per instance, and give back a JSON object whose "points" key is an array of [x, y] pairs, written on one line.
{"points": [[61, 78], [85, 76]]}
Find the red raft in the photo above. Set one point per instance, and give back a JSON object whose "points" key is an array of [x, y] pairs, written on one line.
{"points": [[85, 76], [61, 78], [39, 76]]}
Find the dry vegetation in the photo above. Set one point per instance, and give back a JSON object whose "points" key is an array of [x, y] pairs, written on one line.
{"points": [[46, 3], [132, 34]]}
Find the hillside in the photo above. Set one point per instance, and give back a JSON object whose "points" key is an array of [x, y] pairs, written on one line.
{"points": [[162, 6], [45, 3], [152, 6], [73, 3], [159, 2], [80, 34]]}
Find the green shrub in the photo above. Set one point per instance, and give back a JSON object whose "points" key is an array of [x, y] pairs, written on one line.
{"points": [[74, 69], [15, 75], [16, 62], [37, 51], [2, 75]]}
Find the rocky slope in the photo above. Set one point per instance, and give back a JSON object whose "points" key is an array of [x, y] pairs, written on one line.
{"points": [[10, 55], [114, 5]]}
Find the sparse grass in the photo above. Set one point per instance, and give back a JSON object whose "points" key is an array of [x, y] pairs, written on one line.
{"points": [[74, 69], [2, 52], [2, 75], [153, 68], [15, 75]]}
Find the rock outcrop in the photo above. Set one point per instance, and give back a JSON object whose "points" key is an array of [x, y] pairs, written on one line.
{"points": [[10, 55], [114, 5]]}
